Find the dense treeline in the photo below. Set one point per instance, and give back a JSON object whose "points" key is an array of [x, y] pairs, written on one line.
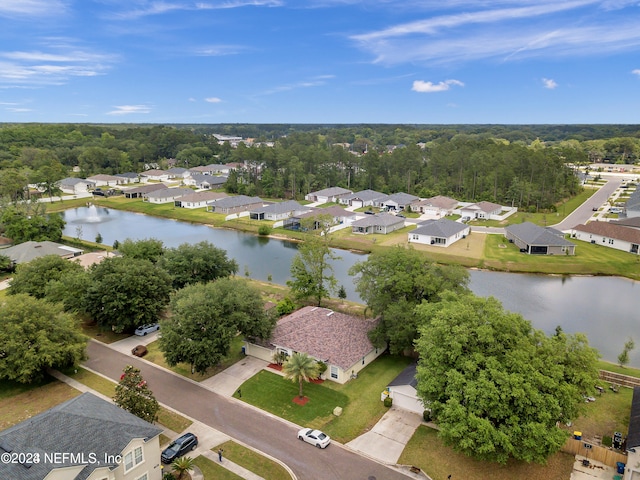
{"points": [[524, 166]]}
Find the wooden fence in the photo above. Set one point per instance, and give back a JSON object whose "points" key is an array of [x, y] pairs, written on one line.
{"points": [[619, 379], [599, 454]]}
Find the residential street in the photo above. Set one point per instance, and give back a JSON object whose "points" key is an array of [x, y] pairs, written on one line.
{"points": [[258, 429]]}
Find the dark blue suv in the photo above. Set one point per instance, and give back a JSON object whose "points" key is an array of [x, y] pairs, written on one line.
{"points": [[179, 447]]}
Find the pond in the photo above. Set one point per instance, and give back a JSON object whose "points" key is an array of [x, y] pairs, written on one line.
{"points": [[605, 308]]}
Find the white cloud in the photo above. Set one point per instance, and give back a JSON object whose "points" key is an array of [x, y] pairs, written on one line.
{"points": [[32, 8], [549, 83], [129, 109], [636, 71], [316, 81], [213, 100], [149, 8], [429, 87], [219, 50], [19, 110]]}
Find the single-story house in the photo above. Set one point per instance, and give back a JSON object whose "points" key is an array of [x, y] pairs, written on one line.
{"points": [[144, 190], [535, 240], [218, 169], [85, 438], [198, 199], [236, 204], [102, 180], [380, 223], [167, 195], [75, 185], [481, 211], [632, 470], [632, 205], [337, 339], [331, 194], [336, 214], [399, 201], [441, 232], [200, 180], [364, 198], [130, 177], [178, 173], [439, 205], [402, 390], [633, 222], [278, 211], [155, 175], [609, 235], [27, 251]]}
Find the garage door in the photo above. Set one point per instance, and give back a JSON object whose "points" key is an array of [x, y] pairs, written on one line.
{"points": [[407, 402]]}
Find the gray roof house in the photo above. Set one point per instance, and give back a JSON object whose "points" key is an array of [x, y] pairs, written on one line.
{"points": [[130, 177], [402, 390], [399, 201], [178, 172], [338, 216], [633, 439], [337, 339], [331, 194], [198, 199], [481, 210], [144, 190], [632, 205], [364, 198], [167, 195], [201, 180], [609, 235], [75, 185], [381, 223], [633, 222], [536, 240], [278, 211], [235, 204], [27, 251], [441, 232], [438, 205], [102, 180], [85, 438]]}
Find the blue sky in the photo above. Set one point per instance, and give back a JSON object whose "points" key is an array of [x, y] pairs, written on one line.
{"points": [[320, 61]]}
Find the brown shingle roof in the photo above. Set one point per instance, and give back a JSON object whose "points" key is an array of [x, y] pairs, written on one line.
{"points": [[333, 337], [611, 230]]}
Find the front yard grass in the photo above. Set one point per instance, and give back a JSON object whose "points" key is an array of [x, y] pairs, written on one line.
{"points": [[212, 471], [359, 398], [253, 461], [427, 451]]}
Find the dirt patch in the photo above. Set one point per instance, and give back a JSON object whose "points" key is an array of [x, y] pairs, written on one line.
{"points": [[275, 366], [300, 401]]}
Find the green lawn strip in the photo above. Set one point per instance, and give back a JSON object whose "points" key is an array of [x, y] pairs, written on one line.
{"points": [[156, 356], [427, 451], [253, 461], [359, 399], [167, 418], [609, 413], [93, 330], [615, 368], [212, 471]]}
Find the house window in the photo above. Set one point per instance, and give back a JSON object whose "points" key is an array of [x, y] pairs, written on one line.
{"points": [[415, 237], [132, 459], [128, 461], [334, 372], [137, 453]]}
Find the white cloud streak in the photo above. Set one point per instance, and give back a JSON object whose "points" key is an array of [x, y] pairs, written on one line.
{"points": [[421, 86], [636, 71], [32, 8], [549, 83], [213, 100], [129, 109], [150, 8]]}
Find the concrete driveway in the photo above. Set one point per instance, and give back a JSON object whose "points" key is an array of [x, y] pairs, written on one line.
{"points": [[228, 381], [387, 439]]}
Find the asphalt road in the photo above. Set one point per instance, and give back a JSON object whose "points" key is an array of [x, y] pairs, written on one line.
{"points": [[583, 213], [258, 429]]}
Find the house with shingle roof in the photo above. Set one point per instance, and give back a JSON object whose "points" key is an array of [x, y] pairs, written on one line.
{"points": [[398, 201], [331, 194], [93, 439], [200, 180], [440, 233], [155, 175], [364, 198], [235, 204], [380, 223], [129, 177], [27, 251], [632, 471], [167, 195], [402, 390], [481, 211], [102, 180], [439, 205], [75, 185], [633, 222], [144, 190], [336, 215], [609, 235], [198, 199], [277, 211], [339, 340], [632, 205], [178, 172], [536, 240]]}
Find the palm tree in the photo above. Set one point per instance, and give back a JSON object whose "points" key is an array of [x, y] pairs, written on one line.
{"points": [[182, 465], [300, 367]]}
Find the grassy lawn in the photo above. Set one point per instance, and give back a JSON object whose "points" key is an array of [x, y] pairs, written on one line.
{"points": [[609, 413], [156, 356], [615, 368], [426, 450], [213, 471], [271, 392], [19, 402], [259, 464]]}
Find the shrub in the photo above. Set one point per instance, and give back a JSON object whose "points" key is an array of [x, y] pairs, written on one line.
{"points": [[322, 367], [426, 415], [168, 476], [388, 401], [606, 441], [285, 306], [264, 230]]}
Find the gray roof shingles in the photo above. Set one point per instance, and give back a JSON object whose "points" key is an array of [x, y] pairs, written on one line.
{"points": [[439, 228], [533, 234]]}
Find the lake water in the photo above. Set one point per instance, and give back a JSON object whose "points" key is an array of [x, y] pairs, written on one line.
{"points": [[607, 309]]}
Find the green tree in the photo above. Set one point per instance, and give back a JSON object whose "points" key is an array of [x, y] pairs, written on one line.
{"points": [[36, 335], [312, 275], [206, 317], [496, 386], [300, 368], [623, 358], [24, 222], [182, 465], [70, 289], [32, 278], [198, 263], [133, 395], [393, 282], [150, 249], [342, 293], [6, 264], [125, 293]]}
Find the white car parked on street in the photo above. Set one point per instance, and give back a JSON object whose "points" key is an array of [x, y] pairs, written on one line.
{"points": [[314, 437]]}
